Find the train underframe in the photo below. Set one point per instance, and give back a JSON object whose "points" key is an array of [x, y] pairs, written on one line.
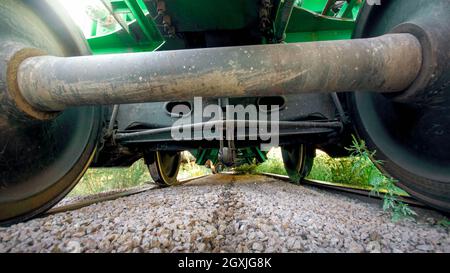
{"points": [[376, 72]]}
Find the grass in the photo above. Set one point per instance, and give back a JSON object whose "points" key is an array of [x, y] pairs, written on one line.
{"points": [[381, 185], [190, 170], [325, 168], [274, 163], [106, 179], [354, 170]]}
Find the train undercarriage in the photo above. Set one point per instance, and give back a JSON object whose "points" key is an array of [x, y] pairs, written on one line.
{"points": [[225, 81]]}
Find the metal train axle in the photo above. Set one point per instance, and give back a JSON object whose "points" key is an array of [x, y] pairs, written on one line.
{"points": [[385, 64]]}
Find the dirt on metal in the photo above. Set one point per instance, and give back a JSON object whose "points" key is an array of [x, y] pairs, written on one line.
{"points": [[389, 63]]}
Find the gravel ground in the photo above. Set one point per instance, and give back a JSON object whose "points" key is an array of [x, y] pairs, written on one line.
{"points": [[86, 198], [229, 214]]}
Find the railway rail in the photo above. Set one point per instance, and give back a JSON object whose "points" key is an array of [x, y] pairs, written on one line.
{"points": [[112, 196], [348, 189], [328, 186]]}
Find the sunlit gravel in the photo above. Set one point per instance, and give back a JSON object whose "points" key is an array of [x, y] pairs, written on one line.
{"points": [[229, 214]]}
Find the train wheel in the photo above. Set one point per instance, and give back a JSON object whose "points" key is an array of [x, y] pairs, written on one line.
{"points": [[411, 134], [40, 160], [298, 161], [164, 167]]}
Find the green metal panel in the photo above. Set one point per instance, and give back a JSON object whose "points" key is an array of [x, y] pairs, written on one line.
{"points": [[305, 25], [316, 6], [326, 35], [148, 26], [246, 155], [308, 24], [141, 34]]}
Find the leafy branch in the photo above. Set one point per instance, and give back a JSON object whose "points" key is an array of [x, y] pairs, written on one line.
{"points": [[381, 185]]}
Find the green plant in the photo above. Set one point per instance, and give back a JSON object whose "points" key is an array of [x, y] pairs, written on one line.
{"points": [[339, 170], [272, 165], [246, 169], [381, 185], [444, 222], [189, 170], [106, 179], [322, 169]]}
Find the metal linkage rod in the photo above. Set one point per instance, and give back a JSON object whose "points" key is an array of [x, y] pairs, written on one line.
{"points": [[388, 63], [283, 20]]}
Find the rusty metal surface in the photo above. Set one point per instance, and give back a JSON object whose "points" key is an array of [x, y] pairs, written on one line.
{"points": [[388, 63]]}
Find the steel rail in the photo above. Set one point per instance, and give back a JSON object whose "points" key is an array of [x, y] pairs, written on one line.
{"points": [[352, 190], [111, 197]]}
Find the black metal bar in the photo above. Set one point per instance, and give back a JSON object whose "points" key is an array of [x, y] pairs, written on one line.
{"points": [[283, 21], [339, 107], [335, 125], [328, 6], [112, 121]]}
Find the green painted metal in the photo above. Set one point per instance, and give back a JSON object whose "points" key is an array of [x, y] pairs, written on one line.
{"points": [[307, 22], [204, 155], [141, 34], [245, 155], [148, 26], [311, 20], [350, 10], [315, 6]]}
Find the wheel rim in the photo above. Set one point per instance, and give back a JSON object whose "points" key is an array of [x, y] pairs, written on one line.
{"points": [[412, 141], [298, 161], [42, 161], [402, 142], [164, 167], [420, 171]]}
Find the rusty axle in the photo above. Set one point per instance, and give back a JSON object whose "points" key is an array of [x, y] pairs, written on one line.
{"points": [[389, 63]]}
